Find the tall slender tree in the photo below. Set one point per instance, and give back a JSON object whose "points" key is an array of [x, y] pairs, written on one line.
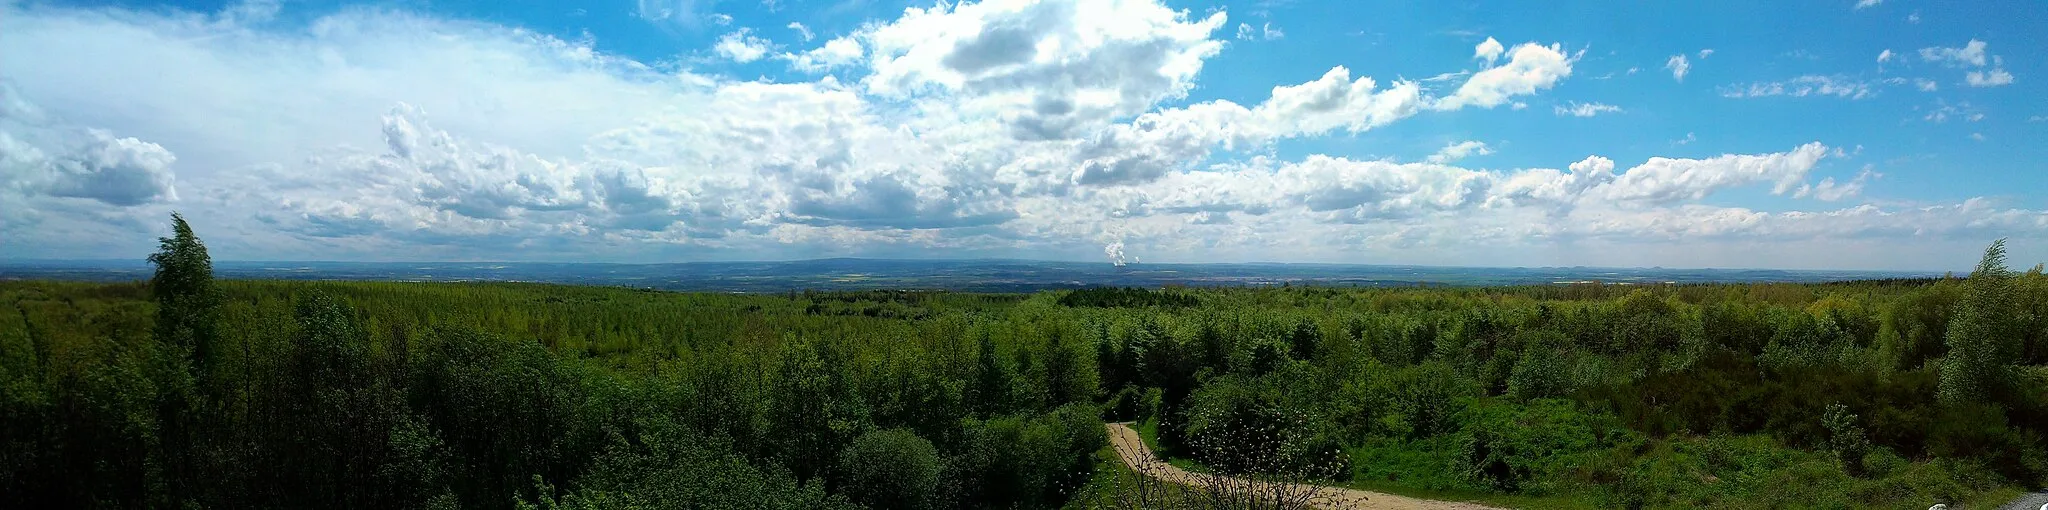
{"points": [[989, 392], [183, 288], [186, 311], [1980, 339]]}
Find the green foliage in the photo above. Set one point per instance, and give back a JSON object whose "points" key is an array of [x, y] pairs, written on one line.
{"points": [[1520, 448], [1542, 371], [183, 288], [1424, 397], [669, 469], [1981, 335], [1037, 461], [815, 411], [1129, 404], [1259, 357], [507, 411], [1122, 297], [1846, 438], [891, 468], [1245, 424], [990, 391], [187, 392]]}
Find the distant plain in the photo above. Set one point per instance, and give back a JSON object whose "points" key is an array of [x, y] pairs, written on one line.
{"points": [[974, 275]]}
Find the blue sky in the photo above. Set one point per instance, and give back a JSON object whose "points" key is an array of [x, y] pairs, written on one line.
{"points": [[1855, 134]]}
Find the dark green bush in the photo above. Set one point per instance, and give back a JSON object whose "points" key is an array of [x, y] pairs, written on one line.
{"points": [[890, 468]]}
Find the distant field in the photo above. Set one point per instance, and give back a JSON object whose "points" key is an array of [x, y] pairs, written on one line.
{"points": [[959, 275]]}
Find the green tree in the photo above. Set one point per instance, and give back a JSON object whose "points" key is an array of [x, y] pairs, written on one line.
{"points": [[1170, 365], [989, 394], [334, 419], [505, 411], [186, 314], [1258, 357], [187, 302], [890, 468], [815, 412], [1979, 333], [1062, 374], [1542, 372], [1261, 425], [1845, 437], [667, 468], [1305, 339]]}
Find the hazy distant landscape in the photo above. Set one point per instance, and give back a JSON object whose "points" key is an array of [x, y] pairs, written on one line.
{"points": [[989, 275]]}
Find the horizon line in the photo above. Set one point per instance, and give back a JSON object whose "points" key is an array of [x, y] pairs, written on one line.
{"points": [[140, 261]]}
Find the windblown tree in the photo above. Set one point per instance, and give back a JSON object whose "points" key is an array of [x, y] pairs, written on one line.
{"points": [[186, 309], [1980, 340], [183, 288]]}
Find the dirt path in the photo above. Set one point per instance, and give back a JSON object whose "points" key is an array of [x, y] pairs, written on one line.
{"points": [[2031, 501], [1134, 453]]}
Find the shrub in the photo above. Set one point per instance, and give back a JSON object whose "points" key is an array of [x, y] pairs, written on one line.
{"points": [[1260, 426], [889, 468]]}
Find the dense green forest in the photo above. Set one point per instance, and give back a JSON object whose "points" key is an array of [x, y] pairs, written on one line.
{"points": [[189, 392]]}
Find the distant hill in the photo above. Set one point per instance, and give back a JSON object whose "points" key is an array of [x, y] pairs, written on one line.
{"points": [[987, 275]]}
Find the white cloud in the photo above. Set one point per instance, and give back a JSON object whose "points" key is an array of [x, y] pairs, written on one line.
{"points": [[1266, 32], [1490, 50], [837, 53], [1971, 54], [1530, 68], [742, 46], [1977, 136], [1679, 66], [1942, 110], [1341, 190], [1885, 56], [1862, 4], [1061, 68], [416, 137], [1667, 180], [1459, 150], [688, 13], [1552, 188], [92, 164], [1578, 109], [1830, 191], [1913, 18], [802, 31], [1925, 85], [1448, 76], [1993, 78], [1810, 85], [1706, 53], [1158, 142]]}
